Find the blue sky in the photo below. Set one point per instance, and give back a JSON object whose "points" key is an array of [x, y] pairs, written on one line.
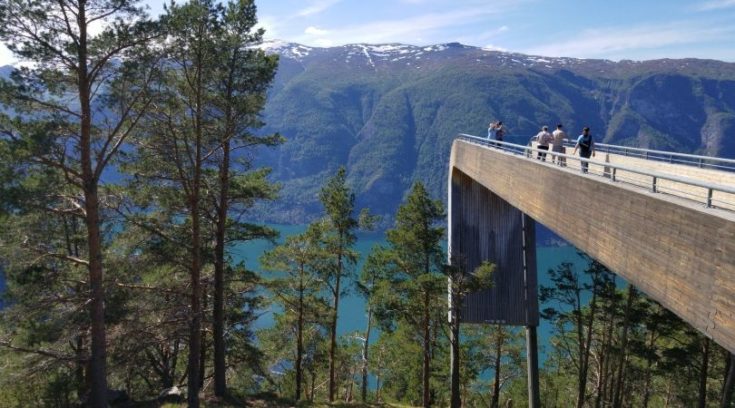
{"points": [[613, 29]]}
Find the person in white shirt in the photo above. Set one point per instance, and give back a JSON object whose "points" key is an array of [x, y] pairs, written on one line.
{"points": [[557, 145], [544, 138]]}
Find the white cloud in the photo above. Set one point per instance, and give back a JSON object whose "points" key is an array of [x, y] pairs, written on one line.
{"points": [[616, 42], [270, 25], [716, 5], [408, 29], [316, 7], [311, 30], [483, 37]]}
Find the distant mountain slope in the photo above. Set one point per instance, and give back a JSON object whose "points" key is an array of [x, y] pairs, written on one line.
{"points": [[389, 112]]}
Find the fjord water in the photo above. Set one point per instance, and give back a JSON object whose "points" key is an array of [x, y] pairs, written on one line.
{"points": [[352, 308], [352, 315]]}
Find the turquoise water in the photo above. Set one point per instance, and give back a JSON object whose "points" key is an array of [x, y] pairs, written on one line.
{"points": [[549, 258], [352, 315]]}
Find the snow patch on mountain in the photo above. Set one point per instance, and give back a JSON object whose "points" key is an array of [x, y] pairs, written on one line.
{"points": [[383, 56], [286, 49]]}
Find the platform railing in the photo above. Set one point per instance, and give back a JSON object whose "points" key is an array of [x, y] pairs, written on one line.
{"points": [[703, 162], [711, 195], [707, 162]]}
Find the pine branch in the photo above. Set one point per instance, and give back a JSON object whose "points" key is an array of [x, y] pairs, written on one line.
{"points": [[46, 353]]}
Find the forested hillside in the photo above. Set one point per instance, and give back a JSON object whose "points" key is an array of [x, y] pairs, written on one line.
{"points": [[390, 112]]}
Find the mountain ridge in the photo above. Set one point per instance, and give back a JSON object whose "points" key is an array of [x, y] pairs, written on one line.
{"points": [[389, 112], [401, 52]]}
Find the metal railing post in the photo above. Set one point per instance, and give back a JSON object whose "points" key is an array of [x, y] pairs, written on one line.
{"points": [[653, 186], [709, 198], [613, 174]]}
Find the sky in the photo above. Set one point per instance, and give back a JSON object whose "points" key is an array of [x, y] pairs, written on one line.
{"points": [[611, 29]]}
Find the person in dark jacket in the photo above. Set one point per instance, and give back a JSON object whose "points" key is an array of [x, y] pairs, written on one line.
{"points": [[586, 146]]}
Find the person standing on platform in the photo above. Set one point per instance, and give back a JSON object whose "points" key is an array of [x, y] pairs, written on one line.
{"points": [[558, 145], [586, 147], [544, 138], [498, 130]]}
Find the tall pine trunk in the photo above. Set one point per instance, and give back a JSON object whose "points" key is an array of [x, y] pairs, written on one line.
{"points": [[587, 349], [425, 372], [495, 403], [648, 373], [218, 323], [456, 397], [98, 360], [195, 322], [618, 387], [313, 384], [98, 365], [300, 338], [729, 382], [703, 373], [365, 349], [606, 363], [203, 355], [333, 325]]}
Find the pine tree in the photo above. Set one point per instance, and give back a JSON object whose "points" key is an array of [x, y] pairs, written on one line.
{"points": [[208, 95], [462, 283], [71, 112], [372, 273], [298, 289], [339, 205], [569, 291], [414, 285], [242, 77]]}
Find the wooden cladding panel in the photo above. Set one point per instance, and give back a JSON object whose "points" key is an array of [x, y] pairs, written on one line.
{"points": [[484, 227], [679, 253]]}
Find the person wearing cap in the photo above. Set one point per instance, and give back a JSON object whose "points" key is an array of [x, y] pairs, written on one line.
{"points": [[586, 147], [544, 138], [557, 145]]}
